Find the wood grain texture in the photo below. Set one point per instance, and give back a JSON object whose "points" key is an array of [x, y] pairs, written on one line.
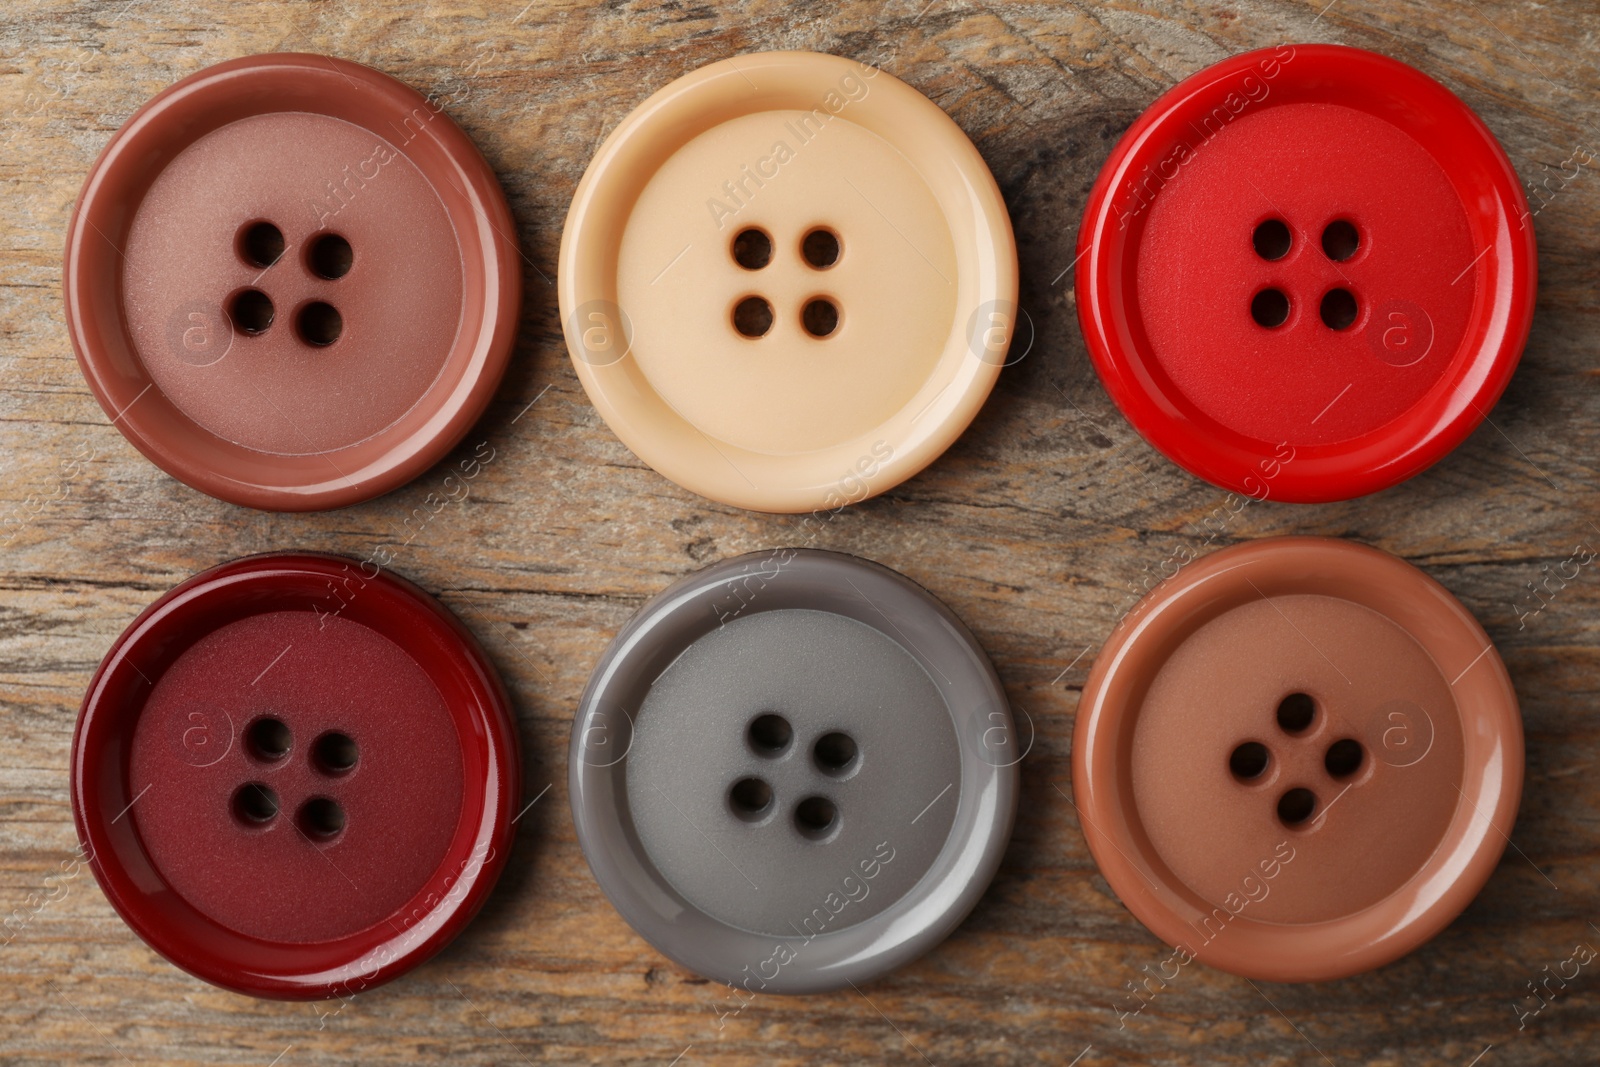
{"points": [[1033, 528]]}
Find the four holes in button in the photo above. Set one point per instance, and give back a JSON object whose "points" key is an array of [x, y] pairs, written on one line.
{"points": [[1297, 715], [1272, 240], [329, 256], [269, 740], [753, 316], [770, 736]]}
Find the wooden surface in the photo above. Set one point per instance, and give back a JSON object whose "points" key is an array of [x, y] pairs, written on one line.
{"points": [[1033, 528]]}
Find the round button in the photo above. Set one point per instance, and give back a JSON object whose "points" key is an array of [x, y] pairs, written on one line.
{"points": [[788, 281], [1298, 759], [1306, 272], [292, 282], [794, 770], [295, 776]]}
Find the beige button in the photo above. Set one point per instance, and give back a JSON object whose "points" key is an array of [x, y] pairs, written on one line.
{"points": [[788, 281]]}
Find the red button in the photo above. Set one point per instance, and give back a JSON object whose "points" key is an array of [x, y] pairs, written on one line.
{"points": [[295, 776], [1310, 256], [292, 282]]}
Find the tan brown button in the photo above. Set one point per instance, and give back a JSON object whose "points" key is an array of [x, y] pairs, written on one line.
{"points": [[292, 282], [1298, 759], [788, 281]]}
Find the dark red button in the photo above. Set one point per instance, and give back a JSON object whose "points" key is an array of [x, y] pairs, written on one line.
{"points": [[292, 282], [295, 775], [1311, 258]]}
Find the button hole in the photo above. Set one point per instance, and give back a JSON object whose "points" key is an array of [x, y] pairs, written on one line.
{"points": [[1340, 240], [319, 324], [750, 799], [820, 248], [260, 244], [769, 735], [820, 318], [752, 249], [816, 818], [268, 739], [321, 819], [1339, 309], [1296, 713], [1270, 308], [752, 317], [251, 311], [1249, 761], [330, 256], [1344, 757], [1296, 806], [254, 804], [1272, 239], [334, 753]]}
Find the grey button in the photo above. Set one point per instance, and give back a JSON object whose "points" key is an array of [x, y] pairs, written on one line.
{"points": [[794, 770]]}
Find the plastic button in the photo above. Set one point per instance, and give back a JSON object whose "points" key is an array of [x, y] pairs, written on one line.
{"points": [[1298, 759], [292, 282], [788, 281], [794, 770], [295, 776], [1310, 250]]}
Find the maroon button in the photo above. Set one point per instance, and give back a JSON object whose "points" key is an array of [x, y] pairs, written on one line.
{"points": [[295, 776], [1307, 271], [292, 282]]}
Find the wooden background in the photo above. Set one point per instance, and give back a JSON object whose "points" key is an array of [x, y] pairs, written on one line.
{"points": [[1033, 528]]}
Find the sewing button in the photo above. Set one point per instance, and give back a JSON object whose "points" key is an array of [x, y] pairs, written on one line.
{"points": [[1311, 252], [788, 281], [292, 282], [1297, 760], [794, 770], [295, 776]]}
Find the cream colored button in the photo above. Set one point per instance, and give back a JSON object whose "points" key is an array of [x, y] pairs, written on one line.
{"points": [[788, 281]]}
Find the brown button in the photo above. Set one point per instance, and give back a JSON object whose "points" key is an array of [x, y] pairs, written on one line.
{"points": [[788, 281], [1298, 759], [292, 282]]}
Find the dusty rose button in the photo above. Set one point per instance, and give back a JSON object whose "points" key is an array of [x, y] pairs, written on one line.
{"points": [[292, 282], [295, 776], [788, 281], [1310, 251], [1298, 759]]}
